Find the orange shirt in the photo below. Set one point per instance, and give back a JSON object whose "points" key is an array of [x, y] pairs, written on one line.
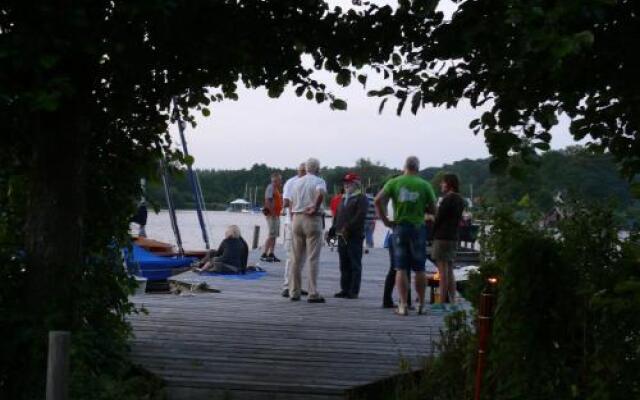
{"points": [[277, 202]]}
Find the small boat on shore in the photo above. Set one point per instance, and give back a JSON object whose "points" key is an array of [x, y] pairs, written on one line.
{"points": [[157, 261]]}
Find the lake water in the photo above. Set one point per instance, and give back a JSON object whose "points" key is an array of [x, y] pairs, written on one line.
{"points": [[159, 227]]}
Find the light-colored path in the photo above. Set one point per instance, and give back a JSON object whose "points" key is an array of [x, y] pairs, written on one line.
{"points": [[251, 343]]}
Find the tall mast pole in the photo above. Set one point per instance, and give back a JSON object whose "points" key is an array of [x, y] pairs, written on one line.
{"points": [[172, 211], [192, 179]]}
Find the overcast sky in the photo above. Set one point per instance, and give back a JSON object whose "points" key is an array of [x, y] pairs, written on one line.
{"points": [[282, 132]]}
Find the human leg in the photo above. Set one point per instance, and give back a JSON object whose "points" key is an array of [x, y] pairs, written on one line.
{"points": [[369, 228], [313, 238], [451, 283], [345, 268], [299, 250], [421, 283], [402, 283], [444, 281], [402, 261], [355, 264]]}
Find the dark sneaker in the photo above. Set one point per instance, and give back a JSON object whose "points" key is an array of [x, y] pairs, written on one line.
{"points": [[295, 298], [285, 293], [340, 295], [304, 293], [274, 258], [351, 296], [264, 257], [317, 299]]}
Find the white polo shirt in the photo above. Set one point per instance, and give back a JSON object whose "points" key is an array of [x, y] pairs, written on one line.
{"points": [[288, 185], [304, 192]]}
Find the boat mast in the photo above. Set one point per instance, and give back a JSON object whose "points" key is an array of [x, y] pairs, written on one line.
{"points": [[172, 211], [197, 195]]}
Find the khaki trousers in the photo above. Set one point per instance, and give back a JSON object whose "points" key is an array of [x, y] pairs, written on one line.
{"points": [[288, 245], [307, 242]]}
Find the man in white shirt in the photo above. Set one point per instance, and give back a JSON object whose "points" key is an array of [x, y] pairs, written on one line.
{"points": [[307, 195], [288, 234]]}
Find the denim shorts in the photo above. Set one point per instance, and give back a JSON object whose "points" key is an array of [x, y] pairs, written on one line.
{"points": [[409, 247]]}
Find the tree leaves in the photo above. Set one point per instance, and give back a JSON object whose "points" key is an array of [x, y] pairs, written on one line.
{"points": [[343, 78], [416, 101], [338, 104]]}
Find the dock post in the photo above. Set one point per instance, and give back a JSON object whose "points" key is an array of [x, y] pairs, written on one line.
{"points": [[485, 317], [58, 365], [256, 236]]}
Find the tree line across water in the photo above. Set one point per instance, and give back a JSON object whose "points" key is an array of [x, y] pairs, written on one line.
{"points": [[572, 172]]}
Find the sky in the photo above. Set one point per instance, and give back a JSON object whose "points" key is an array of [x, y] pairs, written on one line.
{"points": [[285, 131]]}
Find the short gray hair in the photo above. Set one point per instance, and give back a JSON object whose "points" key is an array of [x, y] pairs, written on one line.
{"points": [[232, 231], [412, 163], [313, 165]]}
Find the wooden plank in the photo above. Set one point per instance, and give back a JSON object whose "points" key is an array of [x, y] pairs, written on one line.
{"points": [[250, 342]]}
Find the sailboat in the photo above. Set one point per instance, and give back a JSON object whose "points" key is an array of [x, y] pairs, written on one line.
{"points": [[154, 260]]}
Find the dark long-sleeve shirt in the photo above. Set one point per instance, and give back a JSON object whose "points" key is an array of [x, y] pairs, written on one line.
{"points": [[233, 251], [448, 217], [351, 215]]}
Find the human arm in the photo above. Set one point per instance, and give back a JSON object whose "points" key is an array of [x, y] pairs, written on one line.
{"points": [[321, 190], [316, 204], [381, 201]]}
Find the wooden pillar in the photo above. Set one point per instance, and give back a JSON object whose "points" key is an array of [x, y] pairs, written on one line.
{"points": [[256, 236], [58, 365], [485, 319]]}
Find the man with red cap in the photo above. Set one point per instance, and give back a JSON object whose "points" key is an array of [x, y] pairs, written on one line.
{"points": [[348, 226]]}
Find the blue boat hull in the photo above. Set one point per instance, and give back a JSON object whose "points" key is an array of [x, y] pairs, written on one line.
{"points": [[144, 263]]}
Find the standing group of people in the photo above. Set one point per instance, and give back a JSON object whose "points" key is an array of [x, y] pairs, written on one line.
{"points": [[354, 215]]}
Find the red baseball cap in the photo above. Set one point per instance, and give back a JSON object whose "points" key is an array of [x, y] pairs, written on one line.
{"points": [[351, 177]]}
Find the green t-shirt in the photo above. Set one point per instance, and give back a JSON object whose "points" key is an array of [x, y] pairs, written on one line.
{"points": [[410, 195]]}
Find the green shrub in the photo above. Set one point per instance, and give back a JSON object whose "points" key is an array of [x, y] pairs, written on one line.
{"points": [[567, 318]]}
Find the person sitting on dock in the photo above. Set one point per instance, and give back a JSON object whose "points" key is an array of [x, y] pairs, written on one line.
{"points": [[230, 257], [411, 197], [348, 226], [272, 209], [445, 237]]}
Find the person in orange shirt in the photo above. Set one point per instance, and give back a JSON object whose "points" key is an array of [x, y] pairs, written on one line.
{"points": [[272, 210], [335, 202]]}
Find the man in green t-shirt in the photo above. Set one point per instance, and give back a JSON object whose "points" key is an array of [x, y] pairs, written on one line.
{"points": [[411, 197]]}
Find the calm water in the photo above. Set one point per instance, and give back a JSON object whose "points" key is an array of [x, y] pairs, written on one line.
{"points": [[159, 227]]}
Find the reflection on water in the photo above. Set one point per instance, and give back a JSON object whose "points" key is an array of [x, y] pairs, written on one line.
{"points": [[159, 227]]}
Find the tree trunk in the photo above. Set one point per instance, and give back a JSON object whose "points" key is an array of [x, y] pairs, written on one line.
{"points": [[55, 225]]}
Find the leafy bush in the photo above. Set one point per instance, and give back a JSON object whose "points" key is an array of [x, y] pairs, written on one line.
{"points": [[567, 319]]}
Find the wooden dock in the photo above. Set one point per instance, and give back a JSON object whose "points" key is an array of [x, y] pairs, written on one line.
{"points": [[248, 342]]}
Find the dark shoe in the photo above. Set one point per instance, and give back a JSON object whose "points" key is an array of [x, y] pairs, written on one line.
{"points": [[295, 298], [264, 257], [340, 295], [274, 258], [351, 296], [304, 293], [285, 293], [315, 300], [366, 251], [389, 305], [268, 258]]}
